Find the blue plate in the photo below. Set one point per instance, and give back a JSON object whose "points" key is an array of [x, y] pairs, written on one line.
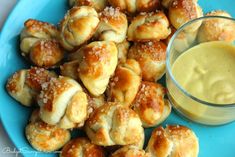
{"points": [[214, 141]]}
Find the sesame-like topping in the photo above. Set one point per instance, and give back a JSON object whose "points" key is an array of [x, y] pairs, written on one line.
{"points": [[13, 83], [149, 96], [142, 95], [96, 53], [158, 133], [143, 13], [36, 77], [110, 12], [153, 49], [46, 53], [175, 3], [189, 6], [51, 90], [48, 46], [96, 50], [35, 26]]}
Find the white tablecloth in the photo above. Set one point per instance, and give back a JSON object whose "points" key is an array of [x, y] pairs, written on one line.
{"points": [[5, 143]]}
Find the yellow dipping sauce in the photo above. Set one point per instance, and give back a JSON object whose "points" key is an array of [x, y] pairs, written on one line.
{"points": [[207, 71]]}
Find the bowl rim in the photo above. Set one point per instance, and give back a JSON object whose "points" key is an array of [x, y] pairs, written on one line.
{"points": [[168, 67]]}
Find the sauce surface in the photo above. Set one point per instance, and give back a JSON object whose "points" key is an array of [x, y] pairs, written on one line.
{"points": [[207, 71]]}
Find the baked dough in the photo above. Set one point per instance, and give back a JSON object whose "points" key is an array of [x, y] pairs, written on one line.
{"points": [[95, 102], [150, 105], [217, 29], [98, 5], [182, 11], [70, 69], [44, 137], [81, 147], [173, 141], [78, 26], [130, 151], [98, 64], [123, 49], [149, 26], [114, 124], [39, 43], [24, 85], [113, 25], [133, 6], [152, 59], [62, 102], [184, 41], [166, 3], [124, 84]]}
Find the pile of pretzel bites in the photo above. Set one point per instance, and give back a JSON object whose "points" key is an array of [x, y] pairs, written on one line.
{"points": [[110, 54]]}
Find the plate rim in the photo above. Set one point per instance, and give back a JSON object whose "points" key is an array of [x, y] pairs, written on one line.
{"points": [[2, 30], [4, 125]]}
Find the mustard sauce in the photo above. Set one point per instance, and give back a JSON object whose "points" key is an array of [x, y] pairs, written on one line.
{"points": [[207, 72]]}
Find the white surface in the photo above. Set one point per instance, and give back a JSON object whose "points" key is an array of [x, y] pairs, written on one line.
{"points": [[5, 143]]}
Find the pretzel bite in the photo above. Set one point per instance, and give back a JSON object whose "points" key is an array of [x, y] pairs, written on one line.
{"points": [[217, 29], [149, 26], [39, 43], [173, 141], [130, 151], [114, 124], [167, 3], [132, 7], [62, 102], [34, 31], [113, 25], [24, 85], [151, 57], [78, 26], [150, 105], [81, 147], [98, 5], [124, 84], [182, 11], [46, 53], [44, 137], [98, 64]]}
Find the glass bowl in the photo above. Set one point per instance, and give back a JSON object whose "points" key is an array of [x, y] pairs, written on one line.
{"points": [[190, 35]]}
